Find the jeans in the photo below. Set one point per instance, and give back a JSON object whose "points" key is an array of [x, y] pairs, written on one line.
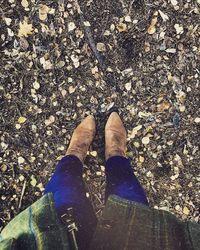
{"points": [[68, 190]]}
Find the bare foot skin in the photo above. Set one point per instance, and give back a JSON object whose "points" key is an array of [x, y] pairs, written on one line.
{"points": [[82, 138], [115, 137]]}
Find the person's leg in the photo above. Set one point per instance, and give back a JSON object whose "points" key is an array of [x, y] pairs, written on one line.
{"points": [[120, 179], [67, 184], [69, 191]]}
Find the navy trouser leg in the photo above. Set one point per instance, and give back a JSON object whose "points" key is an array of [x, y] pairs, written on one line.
{"points": [[68, 190], [121, 181]]}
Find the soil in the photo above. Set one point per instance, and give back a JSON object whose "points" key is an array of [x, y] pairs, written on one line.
{"points": [[138, 57]]}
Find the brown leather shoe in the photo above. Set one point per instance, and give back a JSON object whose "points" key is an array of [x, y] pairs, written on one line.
{"points": [[82, 138], [115, 137]]}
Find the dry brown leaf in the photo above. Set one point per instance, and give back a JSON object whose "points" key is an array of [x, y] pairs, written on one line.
{"points": [[25, 29], [163, 106]]}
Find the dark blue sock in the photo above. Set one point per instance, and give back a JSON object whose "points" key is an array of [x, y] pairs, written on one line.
{"points": [[121, 181], [68, 190]]}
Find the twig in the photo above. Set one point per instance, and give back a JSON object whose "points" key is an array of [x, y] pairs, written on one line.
{"points": [[22, 194], [130, 6], [89, 36]]}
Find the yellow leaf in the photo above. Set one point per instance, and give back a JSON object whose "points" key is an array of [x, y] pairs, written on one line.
{"points": [[25, 29], [33, 181], [21, 119], [141, 159]]}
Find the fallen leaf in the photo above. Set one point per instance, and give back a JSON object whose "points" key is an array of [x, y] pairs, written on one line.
{"points": [[152, 28], [10, 32], [43, 11], [186, 211], [164, 16], [128, 86], [197, 120], [46, 63], [33, 181], [50, 120], [172, 51], [141, 159], [182, 108], [21, 119], [18, 126], [145, 140], [178, 28], [3, 167], [25, 29], [135, 131], [71, 26], [24, 3], [142, 114], [122, 27], [36, 85], [21, 160], [8, 21], [45, 28], [87, 24], [93, 153], [163, 106], [72, 89], [174, 2], [101, 47], [127, 19]]}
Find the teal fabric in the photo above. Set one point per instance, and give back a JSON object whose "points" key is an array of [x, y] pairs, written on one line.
{"points": [[124, 225], [37, 227], [130, 225]]}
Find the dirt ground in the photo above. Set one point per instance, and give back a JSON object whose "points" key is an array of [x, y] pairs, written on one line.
{"points": [[62, 60]]}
